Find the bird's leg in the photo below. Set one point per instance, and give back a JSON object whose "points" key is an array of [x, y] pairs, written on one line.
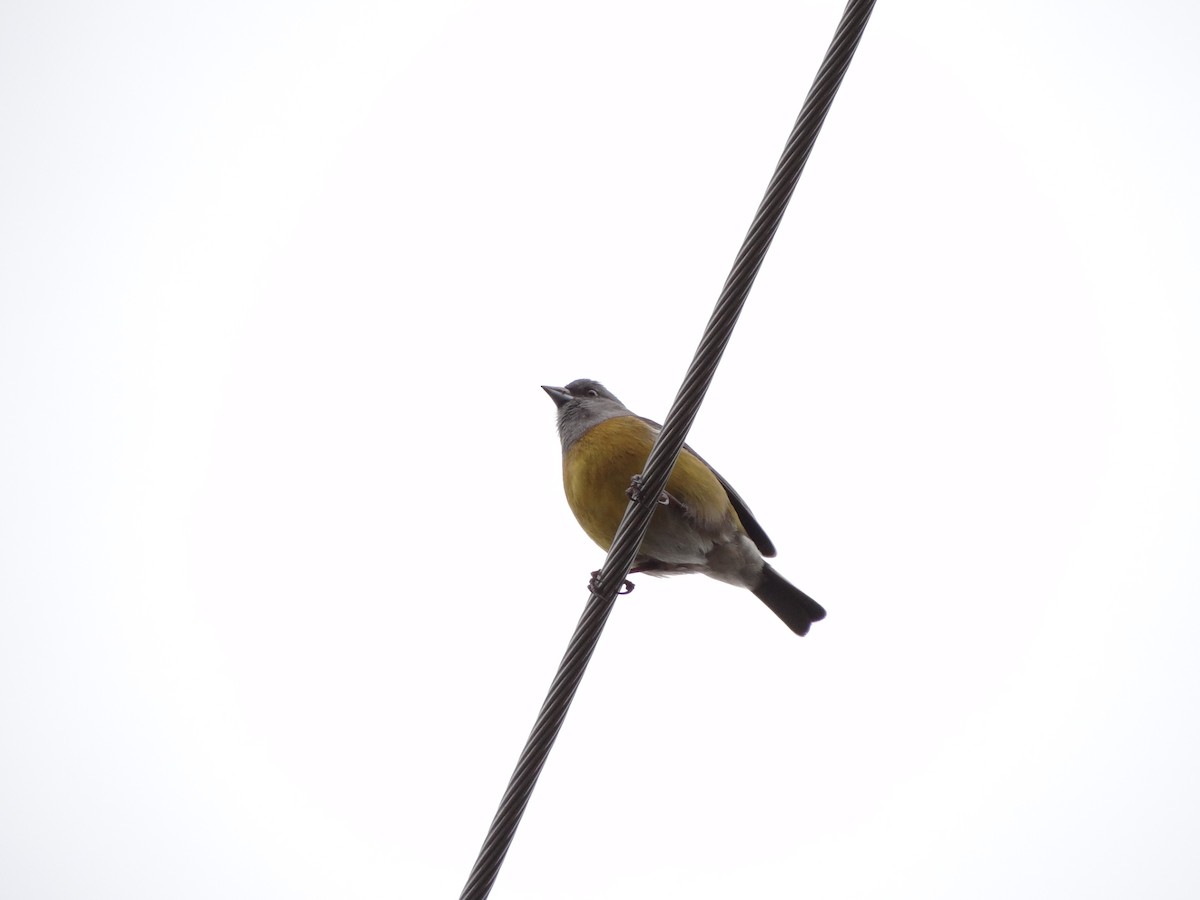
{"points": [[594, 584]]}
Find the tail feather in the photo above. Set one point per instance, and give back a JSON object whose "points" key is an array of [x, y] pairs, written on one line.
{"points": [[792, 605]]}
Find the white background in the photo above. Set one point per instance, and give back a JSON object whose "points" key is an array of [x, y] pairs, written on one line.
{"points": [[285, 568]]}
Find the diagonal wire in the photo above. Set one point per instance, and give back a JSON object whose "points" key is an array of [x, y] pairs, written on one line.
{"points": [[666, 449]]}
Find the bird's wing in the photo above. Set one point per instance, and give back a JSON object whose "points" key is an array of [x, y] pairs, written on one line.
{"points": [[753, 530]]}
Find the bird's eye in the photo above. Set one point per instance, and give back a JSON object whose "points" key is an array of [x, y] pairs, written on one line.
{"points": [[593, 393]]}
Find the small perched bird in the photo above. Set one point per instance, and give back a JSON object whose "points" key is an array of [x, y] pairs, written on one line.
{"points": [[701, 524]]}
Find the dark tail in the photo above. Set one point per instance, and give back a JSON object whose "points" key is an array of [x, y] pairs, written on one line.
{"points": [[796, 608]]}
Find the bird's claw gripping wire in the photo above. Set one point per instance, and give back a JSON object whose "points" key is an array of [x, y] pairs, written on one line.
{"points": [[594, 584], [634, 492]]}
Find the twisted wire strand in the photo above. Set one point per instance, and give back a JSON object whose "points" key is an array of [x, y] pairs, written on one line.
{"points": [[666, 449]]}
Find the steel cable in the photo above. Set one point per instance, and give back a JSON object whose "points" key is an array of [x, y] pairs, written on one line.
{"points": [[666, 450]]}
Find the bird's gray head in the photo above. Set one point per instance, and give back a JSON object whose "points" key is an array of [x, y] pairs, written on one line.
{"points": [[582, 404]]}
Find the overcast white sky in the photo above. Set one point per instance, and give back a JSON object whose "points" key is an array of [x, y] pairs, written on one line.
{"points": [[285, 566]]}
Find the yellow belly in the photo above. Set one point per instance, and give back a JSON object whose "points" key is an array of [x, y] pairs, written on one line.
{"points": [[598, 467]]}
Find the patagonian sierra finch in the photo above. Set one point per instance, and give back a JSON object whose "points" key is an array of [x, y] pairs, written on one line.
{"points": [[700, 525]]}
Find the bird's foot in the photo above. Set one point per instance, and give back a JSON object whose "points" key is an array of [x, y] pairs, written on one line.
{"points": [[634, 492], [594, 584]]}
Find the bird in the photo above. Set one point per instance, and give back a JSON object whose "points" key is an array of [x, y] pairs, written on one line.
{"points": [[700, 524]]}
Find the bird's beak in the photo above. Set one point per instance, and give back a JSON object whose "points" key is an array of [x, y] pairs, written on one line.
{"points": [[557, 394]]}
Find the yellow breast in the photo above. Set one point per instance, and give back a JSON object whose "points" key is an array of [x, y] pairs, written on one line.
{"points": [[598, 467]]}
